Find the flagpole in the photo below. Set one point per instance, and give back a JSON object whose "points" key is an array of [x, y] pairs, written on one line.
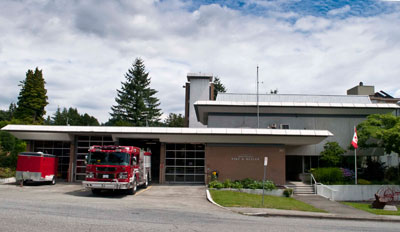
{"points": [[355, 163]]}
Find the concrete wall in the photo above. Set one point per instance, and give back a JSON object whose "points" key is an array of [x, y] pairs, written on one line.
{"points": [[340, 126], [352, 192], [199, 90], [246, 161]]}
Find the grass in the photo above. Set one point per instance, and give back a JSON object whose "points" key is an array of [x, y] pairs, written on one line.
{"points": [[367, 207], [238, 199]]}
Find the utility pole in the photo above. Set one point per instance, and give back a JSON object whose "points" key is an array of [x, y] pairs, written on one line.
{"points": [[258, 107]]}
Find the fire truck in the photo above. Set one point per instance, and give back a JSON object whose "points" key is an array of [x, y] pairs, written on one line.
{"points": [[117, 167]]}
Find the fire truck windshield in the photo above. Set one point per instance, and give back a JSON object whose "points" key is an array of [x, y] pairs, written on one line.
{"points": [[108, 158]]}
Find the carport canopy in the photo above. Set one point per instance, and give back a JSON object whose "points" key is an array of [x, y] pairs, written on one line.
{"points": [[173, 134]]}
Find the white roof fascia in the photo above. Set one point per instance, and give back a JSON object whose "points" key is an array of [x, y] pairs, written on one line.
{"points": [[161, 130]]}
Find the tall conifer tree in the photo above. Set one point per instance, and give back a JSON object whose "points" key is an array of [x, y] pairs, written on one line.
{"points": [[32, 98], [136, 101]]}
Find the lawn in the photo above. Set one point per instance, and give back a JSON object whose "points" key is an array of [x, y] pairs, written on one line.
{"points": [[238, 199], [367, 207]]}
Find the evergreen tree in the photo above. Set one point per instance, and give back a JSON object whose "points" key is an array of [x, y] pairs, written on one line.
{"points": [[73, 118], [32, 98], [174, 120], [136, 101], [218, 87]]}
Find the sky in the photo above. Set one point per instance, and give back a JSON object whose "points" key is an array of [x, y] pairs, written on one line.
{"points": [[301, 47]]}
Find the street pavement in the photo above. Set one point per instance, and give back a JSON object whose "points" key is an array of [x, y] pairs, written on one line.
{"points": [[69, 207]]}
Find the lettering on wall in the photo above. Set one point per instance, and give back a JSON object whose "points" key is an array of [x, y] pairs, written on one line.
{"points": [[245, 158]]}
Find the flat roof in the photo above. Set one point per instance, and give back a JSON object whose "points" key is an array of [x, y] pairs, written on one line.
{"points": [[301, 98], [204, 108], [173, 134]]}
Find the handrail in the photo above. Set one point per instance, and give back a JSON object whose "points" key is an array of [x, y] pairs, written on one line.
{"points": [[332, 191], [315, 185]]}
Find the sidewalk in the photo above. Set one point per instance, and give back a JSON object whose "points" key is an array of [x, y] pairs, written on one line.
{"points": [[335, 210]]}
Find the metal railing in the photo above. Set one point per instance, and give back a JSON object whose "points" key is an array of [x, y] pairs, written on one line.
{"points": [[327, 192], [312, 179]]}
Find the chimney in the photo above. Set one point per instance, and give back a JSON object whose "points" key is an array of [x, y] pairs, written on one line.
{"points": [[362, 89], [198, 87]]}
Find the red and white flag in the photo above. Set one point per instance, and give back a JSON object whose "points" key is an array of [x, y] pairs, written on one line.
{"points": [[355, 139]]}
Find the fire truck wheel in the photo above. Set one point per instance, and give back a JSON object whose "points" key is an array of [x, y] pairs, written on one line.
{"points": [[146, 184], [132, 190], [53, 181]]}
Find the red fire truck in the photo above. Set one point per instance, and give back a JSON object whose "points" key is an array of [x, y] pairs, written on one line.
{"points": [[36, 166], [117, 167]]}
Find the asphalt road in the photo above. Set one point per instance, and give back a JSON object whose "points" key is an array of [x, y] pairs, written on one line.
{"points": [[68, 207]]}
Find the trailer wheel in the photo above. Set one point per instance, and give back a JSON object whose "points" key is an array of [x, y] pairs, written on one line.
{"points": [[96, 191], [132, 190], [53, 181]]}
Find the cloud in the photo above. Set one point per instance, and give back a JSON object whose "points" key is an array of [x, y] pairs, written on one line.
{"points": [[86, 47], [339, 11]]}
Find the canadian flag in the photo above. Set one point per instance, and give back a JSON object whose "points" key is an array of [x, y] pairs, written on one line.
{"points": [[355, 139]]}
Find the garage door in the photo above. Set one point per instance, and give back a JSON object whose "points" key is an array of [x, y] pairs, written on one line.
{"points": [[184, 163]]}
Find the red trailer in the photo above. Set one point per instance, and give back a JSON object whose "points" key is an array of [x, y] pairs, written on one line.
{"points": [[36, 166]]}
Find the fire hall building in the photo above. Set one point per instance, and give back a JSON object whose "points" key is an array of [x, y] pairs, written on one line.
{"points": [[223, 135]]}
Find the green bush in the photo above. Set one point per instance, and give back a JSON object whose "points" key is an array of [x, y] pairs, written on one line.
{"points": [[215, 184], [363, 182], [288, 192], [239, 184], [328, 175], [228, 183], [7, 172], [392, 174]]}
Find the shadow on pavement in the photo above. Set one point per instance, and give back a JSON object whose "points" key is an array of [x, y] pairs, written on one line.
{"points": [[117, 194]]}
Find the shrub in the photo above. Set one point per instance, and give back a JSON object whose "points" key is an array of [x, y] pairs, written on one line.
{"points": [[6, 172], [288, 192], [375, 170], [392, 174], [215, 184], [237, 185], [228, 183], [328, 175], [363, 182], [348, 175]]}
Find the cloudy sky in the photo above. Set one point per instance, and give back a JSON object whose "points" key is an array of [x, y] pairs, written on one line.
{"points": [[302, 46]]}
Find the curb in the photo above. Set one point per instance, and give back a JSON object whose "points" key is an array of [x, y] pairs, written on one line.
{"points": [[334, 217], [209, 198], [7, 180], [331, 217]]}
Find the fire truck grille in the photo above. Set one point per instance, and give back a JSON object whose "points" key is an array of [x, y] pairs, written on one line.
{"points": [[105, 176], [105, 169]]}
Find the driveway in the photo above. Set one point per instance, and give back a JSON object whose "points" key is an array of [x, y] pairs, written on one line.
{"points": [[69, 207]]}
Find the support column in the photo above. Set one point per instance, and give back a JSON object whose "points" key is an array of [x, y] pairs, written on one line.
{"points": [[71, 161], [162, 164]]}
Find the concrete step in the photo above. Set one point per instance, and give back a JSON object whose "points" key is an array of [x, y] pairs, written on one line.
{"points": [[302, 189]]}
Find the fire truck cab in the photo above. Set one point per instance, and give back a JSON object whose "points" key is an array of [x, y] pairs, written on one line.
{"points": [[117, 167]]}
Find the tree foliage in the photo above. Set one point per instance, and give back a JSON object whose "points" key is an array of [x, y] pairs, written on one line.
{"points": [[174, 120], [218, 87], [331, 156], [32, 98], [72, 117], [380, 130], [9, 149], [136, 101]]}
